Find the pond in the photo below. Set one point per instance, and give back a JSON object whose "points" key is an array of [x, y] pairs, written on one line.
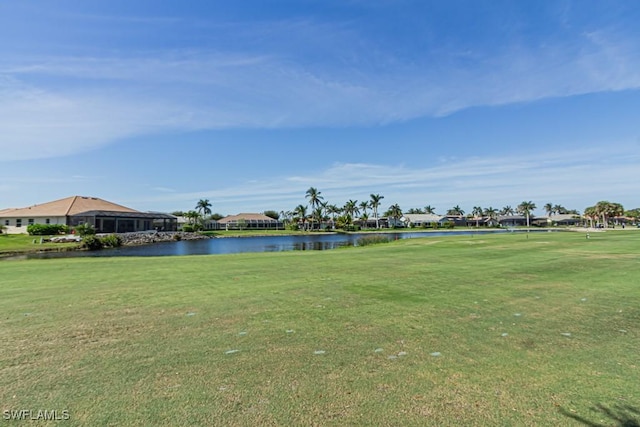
{"points": [[232, 245]]}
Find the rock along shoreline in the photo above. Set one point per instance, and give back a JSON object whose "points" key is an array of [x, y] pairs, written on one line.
{"points": [[150, 237]]}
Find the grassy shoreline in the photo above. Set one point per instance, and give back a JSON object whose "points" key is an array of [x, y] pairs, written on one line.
{"points": [[490, 330], [19, 244]]}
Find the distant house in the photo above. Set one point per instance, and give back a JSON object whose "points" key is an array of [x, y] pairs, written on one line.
{"points": [[249, 221], [458, 221], [512, 220], [565, 220], [104, 216], [424, 220]]}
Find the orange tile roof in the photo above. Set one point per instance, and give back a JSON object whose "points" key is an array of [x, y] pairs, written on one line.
{"points": [[246, 217], [68, 206]]}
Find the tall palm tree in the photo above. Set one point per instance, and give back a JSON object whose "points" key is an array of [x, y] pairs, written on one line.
{"points": [[351, 208], [477, 213], [491, 213], [364, 205], [591, 214], [429, 210], [318, 215], [315, 199], [333, 210], [203, 207], [455, 211], [375, 204], [395, 212], [559, 209], [507, 210], [548, 208], [300, 212], [525, 208]]}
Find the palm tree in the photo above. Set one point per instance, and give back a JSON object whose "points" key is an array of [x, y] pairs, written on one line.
{"points": [[333, 210], [559, 209], [351, 208], [507, 210], [364, 205], [429, 210], [300, 212], [193, 217], [315, 199], [548, 208], [477, 213], [318, 215], [491, 213], [375, 204], [591, 214], [203, 207], [608, 210], [394, 212], [525, 208], [455, 211]]}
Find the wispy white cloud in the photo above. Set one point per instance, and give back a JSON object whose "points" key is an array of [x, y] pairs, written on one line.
{"points": [[59, 105], [574, 180]]}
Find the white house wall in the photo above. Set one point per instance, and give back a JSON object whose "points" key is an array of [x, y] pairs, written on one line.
{"points": [[11, 223]]}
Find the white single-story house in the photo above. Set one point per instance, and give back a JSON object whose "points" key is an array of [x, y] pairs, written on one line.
{"points": [[423, 220], [253, 221], [104, 216]]}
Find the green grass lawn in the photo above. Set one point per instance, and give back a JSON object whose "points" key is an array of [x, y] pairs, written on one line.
{"points": [[19, 243], [461, 330]]}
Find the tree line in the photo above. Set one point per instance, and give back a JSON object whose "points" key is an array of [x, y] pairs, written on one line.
{"points": [[317, 211]]}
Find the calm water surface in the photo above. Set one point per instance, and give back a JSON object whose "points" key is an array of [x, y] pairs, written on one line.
{"points": [[232, 245]]}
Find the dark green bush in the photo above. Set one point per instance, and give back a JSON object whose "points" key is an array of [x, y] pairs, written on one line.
{"points": [[91, 242], [449, 225], [111, 241], [47, 229], [85, 230], [187, 228]]}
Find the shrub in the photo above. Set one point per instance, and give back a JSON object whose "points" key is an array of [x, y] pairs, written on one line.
{"points": [[373, 240], [111, 241], [187, 228], [449, 225], [85, 229], [91, 242], [47, 229]]}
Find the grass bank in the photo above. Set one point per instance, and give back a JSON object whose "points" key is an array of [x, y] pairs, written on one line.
{"points": [[20, 243], [462, 330]]}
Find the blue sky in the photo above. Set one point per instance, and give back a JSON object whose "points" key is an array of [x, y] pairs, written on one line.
{"points": [[156, 105]]}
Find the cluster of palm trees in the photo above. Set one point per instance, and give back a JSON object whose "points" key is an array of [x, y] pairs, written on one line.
{"points": [[525, 208], [318, 211], [603, 210], [197, 216]]}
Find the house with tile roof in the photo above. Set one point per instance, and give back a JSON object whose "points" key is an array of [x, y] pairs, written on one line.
{"points": [[104, 216], [253, 221]]}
